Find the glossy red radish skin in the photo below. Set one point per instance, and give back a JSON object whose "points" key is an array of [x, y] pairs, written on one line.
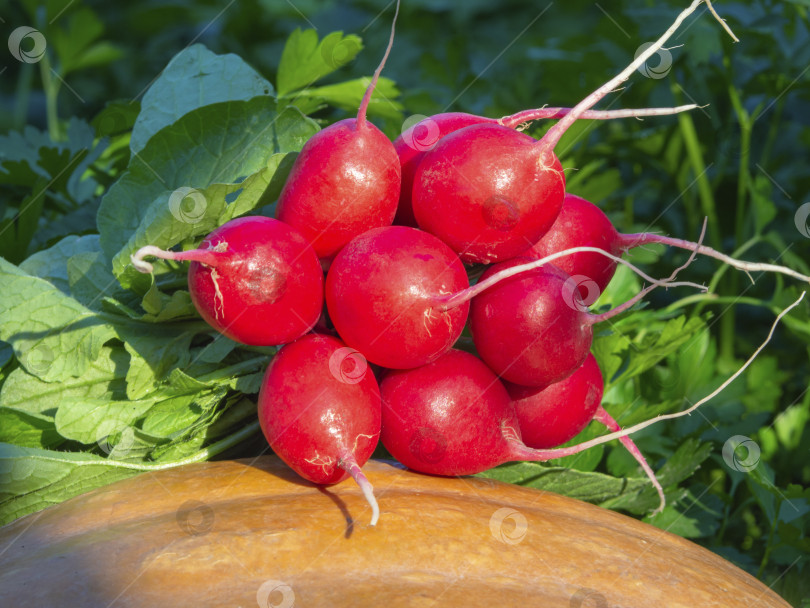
{"points": [[411, 147], [422, 136], [380, 294], [531, 329], [582, 224], [319, 409], [484, 192], [556, 414], [254, 279], [345, 180], [450, 417]]}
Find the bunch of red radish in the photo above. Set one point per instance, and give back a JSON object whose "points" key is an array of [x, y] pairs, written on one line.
{"points": [[480, 191]]}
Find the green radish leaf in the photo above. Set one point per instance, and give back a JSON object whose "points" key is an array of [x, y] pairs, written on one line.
{"points": [[195, 77], [89, 421], [173, 415], [161, 200], [32, 479], [91, 281], [104, 378], [54, 336], [52, 264], [27, 429], [305, 60], [154, 352]]}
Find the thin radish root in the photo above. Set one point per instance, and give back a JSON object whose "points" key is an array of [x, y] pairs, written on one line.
{"points": [[560, 452], [555, 133], [348, 464], [449, 302], [603, 417], [629, 241], [668, 282], [514, 120]]}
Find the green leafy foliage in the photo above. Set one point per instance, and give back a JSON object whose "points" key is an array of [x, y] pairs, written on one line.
{"points": [[133, 136]]}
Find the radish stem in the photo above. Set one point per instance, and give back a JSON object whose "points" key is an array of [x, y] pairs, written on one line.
{"points": [[209, 257], [361, 111], [603, 417]]}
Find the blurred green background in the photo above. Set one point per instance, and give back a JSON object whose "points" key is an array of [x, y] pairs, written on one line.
{"points": [[740, 161]]}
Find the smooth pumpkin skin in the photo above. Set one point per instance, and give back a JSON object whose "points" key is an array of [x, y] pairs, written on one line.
{"points": [[123, 545]]}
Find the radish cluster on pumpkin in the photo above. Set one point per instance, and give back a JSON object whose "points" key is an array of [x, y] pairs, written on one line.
{"points": [[460, 188]]}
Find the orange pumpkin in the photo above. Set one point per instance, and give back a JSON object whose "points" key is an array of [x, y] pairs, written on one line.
{"points": [[247, 533]]}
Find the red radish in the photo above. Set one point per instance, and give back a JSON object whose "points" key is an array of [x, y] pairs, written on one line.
{"points": [[581, 223], [253, 279], [454, 417], [422, 136], [381, 294], [482, 191], [449, 417], [551, 416], [319, 409], [532, 329], [490, 192], [345, 180], [554, 415], [529, 322]]}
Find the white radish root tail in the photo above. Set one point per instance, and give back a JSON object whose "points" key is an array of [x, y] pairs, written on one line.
{"points": [[552, 137], [447, 302], [349, 464]]}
